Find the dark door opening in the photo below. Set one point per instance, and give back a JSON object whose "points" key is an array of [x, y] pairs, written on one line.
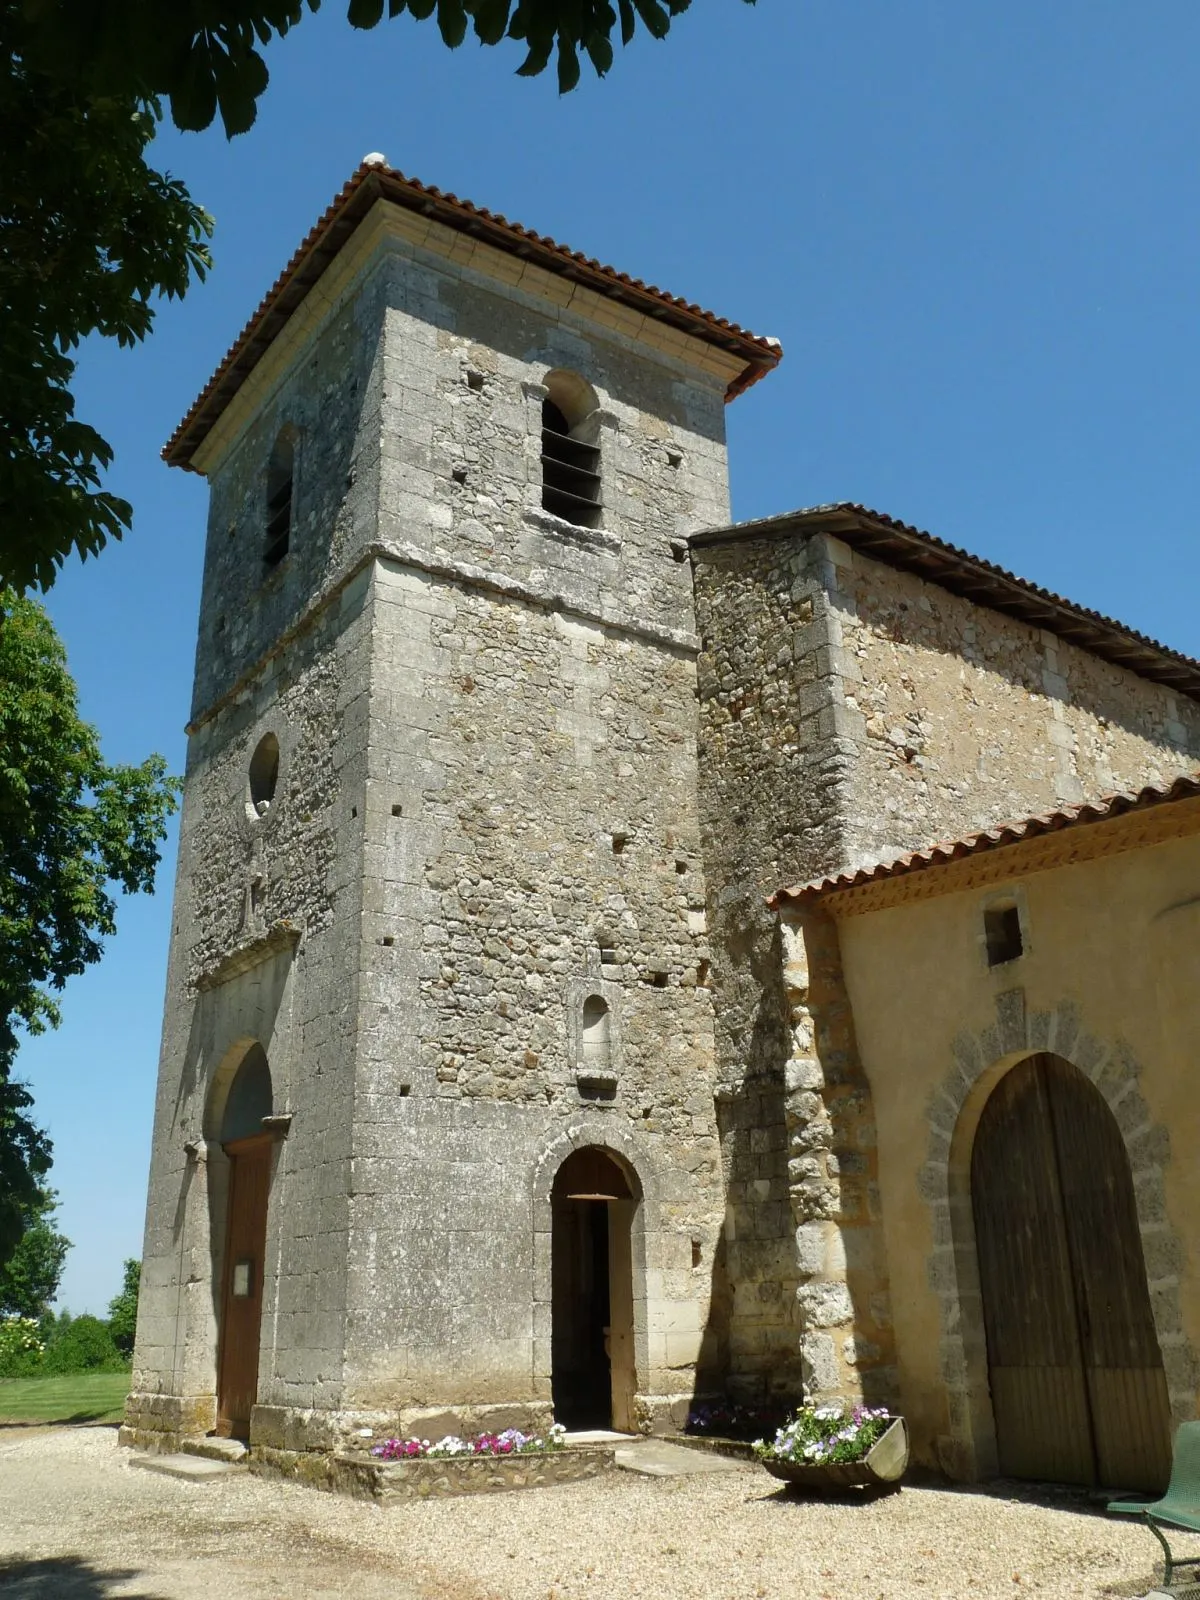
{"points": [[592, 1367], [582, 1375], [1078, 1388]]}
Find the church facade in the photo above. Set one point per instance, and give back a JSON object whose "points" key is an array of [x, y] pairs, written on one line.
{"points": [[484, 1090]]}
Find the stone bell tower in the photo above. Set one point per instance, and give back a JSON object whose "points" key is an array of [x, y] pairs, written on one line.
{"points": [[439, 916]]}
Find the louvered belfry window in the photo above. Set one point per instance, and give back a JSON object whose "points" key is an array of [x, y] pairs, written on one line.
{"points": [[570, 471], [281, 474]]}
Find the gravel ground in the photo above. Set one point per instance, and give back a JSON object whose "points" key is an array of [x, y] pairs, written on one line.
{"points": [[78, 1522]]}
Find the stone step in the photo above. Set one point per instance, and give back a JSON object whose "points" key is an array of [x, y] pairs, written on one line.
{"points": [[658, 1458], [193, 1469], [214, 1449]]}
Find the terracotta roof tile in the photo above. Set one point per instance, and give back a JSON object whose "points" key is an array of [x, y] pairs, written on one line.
{"points": [[333, 228], [1186, 787]]}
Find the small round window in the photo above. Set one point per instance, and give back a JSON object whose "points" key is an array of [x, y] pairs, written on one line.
{"points": [[264, 775]]}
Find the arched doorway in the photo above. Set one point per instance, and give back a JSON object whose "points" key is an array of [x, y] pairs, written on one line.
{"points": [[248, 1148], [593, 1376], [1078, 1389]]}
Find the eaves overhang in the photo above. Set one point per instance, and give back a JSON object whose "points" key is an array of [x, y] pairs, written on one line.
{"points": [[373, 182], [898, 544]]}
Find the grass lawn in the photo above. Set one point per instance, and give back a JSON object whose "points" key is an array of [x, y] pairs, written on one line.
{"points": [[83, 1397]]}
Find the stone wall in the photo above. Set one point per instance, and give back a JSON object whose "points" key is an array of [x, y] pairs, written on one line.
{"points": [[773, 774], [850, 712], [486, 816], [330, 399], [531, 841], [843, 1298], [962, 717], [264, 949]]}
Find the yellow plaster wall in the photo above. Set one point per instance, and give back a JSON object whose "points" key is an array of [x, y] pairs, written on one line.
{"points": [[1120, 938]]}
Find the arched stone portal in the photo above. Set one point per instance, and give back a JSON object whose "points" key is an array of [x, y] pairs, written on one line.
{"points": [[593, 1368], [248, 1146], [1075, 1372]]}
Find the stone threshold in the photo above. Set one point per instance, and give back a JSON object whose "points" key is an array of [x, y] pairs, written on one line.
{"points": [[741, 1448]]}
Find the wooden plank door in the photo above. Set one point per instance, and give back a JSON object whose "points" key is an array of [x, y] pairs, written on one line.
{"points": [[621, 1351], [242, 1297], [1039, 1393], [1078, 1389], [1122, 1362]]}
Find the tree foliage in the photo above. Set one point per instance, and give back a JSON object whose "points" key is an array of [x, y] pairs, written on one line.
{"points": [[122, 1308], [89, 236], [205, 56], [30, 1277], [71, 828], [80, 1344]]}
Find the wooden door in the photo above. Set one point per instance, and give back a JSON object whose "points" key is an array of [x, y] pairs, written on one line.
{"points": [[1078, 1389], [622, 1360], [242, 1296]]}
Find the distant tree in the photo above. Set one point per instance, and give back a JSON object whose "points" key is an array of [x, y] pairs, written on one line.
{"points": [[30, 1277], [205, 58], [122, 1309], [81, 1344], [71, 826]]}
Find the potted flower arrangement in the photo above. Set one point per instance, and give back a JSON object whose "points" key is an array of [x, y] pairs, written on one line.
{"points": [[836, 1446]]}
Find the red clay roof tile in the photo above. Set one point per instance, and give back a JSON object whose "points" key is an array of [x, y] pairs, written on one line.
{"points": [[373, 181], [1186, 787]]}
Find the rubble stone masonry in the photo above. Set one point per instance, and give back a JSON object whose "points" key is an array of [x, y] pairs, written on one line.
{"points": [[849, 712]]}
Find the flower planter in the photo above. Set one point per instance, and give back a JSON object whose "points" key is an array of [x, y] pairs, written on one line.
{"points": [[433, 1477], [882, 1467]]}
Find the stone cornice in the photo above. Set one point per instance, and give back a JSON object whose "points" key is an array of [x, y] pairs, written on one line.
{"points": [[400, 553]]}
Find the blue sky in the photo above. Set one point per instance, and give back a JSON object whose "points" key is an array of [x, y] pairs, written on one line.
{"points": [[975, 229]]}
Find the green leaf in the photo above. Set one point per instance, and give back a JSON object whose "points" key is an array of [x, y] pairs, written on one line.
{"points": [[452, 22], [194, 99], [491, 20], [568, 64], [657, 21], [628, 20], [600, 52], [365, 13]]}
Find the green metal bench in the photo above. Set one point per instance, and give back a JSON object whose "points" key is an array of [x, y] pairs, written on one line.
{"points": [[1179, 1508]]}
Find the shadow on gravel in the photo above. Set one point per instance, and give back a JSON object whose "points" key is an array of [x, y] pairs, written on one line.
{"points": [[785, 1495], [1051, 1496], [99, 1417], [65, 1578]]}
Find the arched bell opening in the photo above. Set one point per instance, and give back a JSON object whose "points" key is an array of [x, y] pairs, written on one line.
{"points": [[593, 1373]]}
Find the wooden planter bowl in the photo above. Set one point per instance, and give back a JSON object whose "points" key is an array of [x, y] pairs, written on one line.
{"points": [[882, 1467]]}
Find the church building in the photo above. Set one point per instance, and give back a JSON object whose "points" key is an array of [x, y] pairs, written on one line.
{"points": [[558, 1019]]}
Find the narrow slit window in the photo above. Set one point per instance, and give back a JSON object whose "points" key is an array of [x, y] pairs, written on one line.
{"points": [[570, 454], [1002, 931], [281, 477]]}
